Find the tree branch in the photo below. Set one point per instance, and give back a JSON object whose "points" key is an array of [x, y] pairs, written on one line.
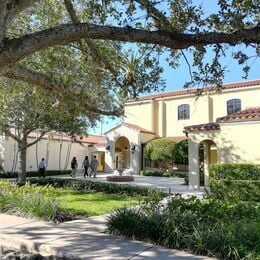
{"points": [[9, 133], [155, 13], [14, 50], [94, 52], [37, 139], [20, 73]]}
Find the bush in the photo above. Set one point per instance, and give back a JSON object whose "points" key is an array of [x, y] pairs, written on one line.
{"points": [[235, 182], [5, 175], [234, 171], [87, 185], [235, 190], [208, 227], [29, 200], [166, 174]]}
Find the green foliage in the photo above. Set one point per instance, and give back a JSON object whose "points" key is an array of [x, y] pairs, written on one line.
{"points": [[29, 199], [53, 204], [88, 185], [166, 173], [235, 171], [181, 153], [161, 150], [7, 175], [235, 182], [235, 190], [208, 227]]}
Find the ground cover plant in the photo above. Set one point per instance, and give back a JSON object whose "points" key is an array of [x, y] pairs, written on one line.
{"points": [[165, 173], [89, 185], [10, 175], [208, 227], [56, 204]]}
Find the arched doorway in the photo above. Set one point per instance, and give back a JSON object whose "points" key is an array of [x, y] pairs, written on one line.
{"points": [[207, 156], [122, 153]]}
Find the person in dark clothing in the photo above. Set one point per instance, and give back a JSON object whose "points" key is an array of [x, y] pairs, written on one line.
{"points": [[86, 165], [74, 166]]}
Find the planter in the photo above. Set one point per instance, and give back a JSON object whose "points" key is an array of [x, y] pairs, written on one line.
{"points": [[120, 178]]}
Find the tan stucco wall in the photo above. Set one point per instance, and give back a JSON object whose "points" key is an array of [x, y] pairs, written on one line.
{"points": [[80, 151], [161, 115]]}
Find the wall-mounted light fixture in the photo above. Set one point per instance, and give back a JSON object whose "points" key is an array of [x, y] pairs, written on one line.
{"points": [[133, 148], [107, 147]]}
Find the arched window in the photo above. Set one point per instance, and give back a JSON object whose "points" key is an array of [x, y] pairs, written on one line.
{"points": [[233, 106], [183, 112]]}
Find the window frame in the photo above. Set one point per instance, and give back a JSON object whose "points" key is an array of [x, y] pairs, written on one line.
{"points": [[184, 112], [233, 106]]}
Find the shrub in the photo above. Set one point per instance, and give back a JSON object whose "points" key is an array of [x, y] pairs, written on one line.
{"points": [[208, 227], [33, 174], [165, 174], [30, 200], [235, 182], [87, 185], [235, 190], [234, 171]]}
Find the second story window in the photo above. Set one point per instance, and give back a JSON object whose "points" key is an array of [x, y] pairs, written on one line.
{"points": [[233, 106], [183, 112]]}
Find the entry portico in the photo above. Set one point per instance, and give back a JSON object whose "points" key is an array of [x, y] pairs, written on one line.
{"points": [[124, 147], [232, 139]]}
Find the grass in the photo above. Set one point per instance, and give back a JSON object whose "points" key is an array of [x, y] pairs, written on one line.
{"points": [[93, 204], [59, 204]]}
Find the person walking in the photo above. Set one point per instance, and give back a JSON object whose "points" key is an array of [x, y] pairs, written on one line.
{"points": [[94, 164], [42, 167], [74, 166], [86, 165]]}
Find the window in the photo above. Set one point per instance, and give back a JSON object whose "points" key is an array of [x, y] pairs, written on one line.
{"points": [[183, 112], [233, 106]]}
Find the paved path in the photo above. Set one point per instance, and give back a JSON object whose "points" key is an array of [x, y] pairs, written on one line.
{"points": [[172, 184], [80, 239]]}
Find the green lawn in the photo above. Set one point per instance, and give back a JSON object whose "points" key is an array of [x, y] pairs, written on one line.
{"points": [[92, 204]]}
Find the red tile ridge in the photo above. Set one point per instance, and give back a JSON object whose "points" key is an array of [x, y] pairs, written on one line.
{"points": [[182, 92], [138, 128], [202, 127]]}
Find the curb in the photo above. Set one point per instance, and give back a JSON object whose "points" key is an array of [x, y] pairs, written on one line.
{"points": [[28, 246]]}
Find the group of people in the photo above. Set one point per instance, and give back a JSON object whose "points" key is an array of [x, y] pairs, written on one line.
{"points": [[90, 167]]}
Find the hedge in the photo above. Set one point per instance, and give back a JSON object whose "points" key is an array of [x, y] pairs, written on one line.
{"points": [[235, 171], [8, 175], [235, 182], [235, 190], [88, 185], [165, 174]]}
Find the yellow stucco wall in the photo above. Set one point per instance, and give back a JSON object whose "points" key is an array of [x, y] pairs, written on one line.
{"points": [[236, 143], [161, 115]]}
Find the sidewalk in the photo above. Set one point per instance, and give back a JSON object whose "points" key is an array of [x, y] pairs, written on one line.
{"points": [[79, 239]]}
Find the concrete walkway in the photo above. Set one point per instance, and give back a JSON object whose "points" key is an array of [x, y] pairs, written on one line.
{"points": [[172, 184], [80, 239]]}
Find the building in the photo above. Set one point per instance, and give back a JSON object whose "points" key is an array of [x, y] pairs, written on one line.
{"points": [[167, 115], [57, 149], [219, 127]]}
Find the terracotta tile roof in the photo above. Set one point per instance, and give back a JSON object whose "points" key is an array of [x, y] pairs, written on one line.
{"points": [[202, 127], [249, 114], [91, 139], [176, 139], [138, 128], [194, 91]]}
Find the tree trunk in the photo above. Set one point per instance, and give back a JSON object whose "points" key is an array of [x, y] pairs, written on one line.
{"points": [[22, 154]]}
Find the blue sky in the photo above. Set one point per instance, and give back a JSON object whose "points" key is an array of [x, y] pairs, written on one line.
{"points": [[176, 78]]}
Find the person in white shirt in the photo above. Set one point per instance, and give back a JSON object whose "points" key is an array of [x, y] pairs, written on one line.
{"points": [[42, 167]]}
